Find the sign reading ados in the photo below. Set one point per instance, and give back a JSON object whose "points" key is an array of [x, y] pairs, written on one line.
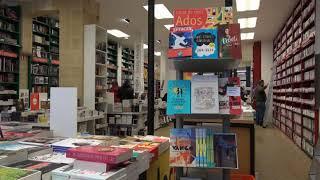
{"points": [[198, 18]]}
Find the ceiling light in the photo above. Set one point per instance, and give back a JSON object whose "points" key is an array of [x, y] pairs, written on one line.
{"points": [[247, 36], [247, 5], [145, 46], [168, 26], [126, 20], [161, 11], [117, 33], [247, 22], [159, 41], [157, 53]]}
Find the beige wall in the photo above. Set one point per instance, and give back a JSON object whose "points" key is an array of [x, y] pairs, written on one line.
{"points": [[73, 15]]}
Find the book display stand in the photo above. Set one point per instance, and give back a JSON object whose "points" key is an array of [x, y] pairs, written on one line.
{"points": [[212, 47], [212, 66]]}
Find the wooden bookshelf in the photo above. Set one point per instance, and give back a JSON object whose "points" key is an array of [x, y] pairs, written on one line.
{"points": [[44, 64], [9, 56], [295, 97]]}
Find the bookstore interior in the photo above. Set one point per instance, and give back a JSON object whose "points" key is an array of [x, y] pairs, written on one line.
{"points": [[156, 90]]}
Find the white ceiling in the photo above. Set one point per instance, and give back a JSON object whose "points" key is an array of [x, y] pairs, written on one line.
{"points": [[271, 16]]}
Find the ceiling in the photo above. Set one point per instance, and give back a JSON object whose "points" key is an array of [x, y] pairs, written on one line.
{"points": [[271, 16]]}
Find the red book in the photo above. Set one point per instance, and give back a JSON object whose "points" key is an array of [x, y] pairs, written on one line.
{"points": [[150, 147], [229, 41], [102, 154], [34, 101]]}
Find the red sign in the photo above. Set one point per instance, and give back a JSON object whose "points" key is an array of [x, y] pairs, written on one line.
{"points": [[199, 18]]}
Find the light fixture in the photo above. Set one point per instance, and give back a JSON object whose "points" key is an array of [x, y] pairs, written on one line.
{"points": [[117, 33], [126, 20], [247, 5], [247, 22], [159, 41], [157, 53], [161, 11], [168, 26], [247, 36], [145, 46]]}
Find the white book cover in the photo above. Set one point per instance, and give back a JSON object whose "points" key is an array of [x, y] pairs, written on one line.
{"points": [[204, 94], [74, 142]]}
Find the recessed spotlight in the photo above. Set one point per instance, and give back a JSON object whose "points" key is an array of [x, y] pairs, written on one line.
{"points": [[247, 36], [247, 5], [126, 20], [161, 11], [145, 46], [118, 33], [247, 22], [168, 26]]}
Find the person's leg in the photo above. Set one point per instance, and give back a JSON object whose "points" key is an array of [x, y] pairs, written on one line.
{"points": [[258, 113], [263, 110]]}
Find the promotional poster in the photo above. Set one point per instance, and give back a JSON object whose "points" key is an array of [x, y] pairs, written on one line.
{"points": [[199, 18], [178, 101], [180, 42], [229, 41], [205, 44]]}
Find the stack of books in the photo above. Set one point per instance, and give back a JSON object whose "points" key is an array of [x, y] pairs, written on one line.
{"points": [[64, 145]]}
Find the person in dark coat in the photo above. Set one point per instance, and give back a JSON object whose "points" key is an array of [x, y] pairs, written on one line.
{"points": [[261, 98], [126, 91]]}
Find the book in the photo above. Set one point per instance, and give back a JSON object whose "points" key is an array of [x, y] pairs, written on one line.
{"points": [[178, 101], [9, 173], [205, 44], [204, 94], [229, 96], [69, 172], [225, 150], [201, 18], [102, 154], [182, 148], [15, 146], [192, 147], [54, 158], [9, 157], [93, 166], [180, 42], [229, 41], [64, 145], [40, 141], [44, 167]]}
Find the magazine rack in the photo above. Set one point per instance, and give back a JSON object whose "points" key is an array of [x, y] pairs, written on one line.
{"points": [[204, 65]]}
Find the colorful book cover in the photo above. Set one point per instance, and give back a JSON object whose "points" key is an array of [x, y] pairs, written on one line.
{"points": [[9, 173], [229, 41], [229, 96], [225, 151], [34, 101], [178, 101], [227, 15], [102, 154], [44, 167], [199, 18], [180, 42], [205, 44], [183, 148], [204, 94]]}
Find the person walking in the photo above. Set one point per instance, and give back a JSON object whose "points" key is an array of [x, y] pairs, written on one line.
{"points": [[261, 98]]}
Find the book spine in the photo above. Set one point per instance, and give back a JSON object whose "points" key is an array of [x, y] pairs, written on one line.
{"points": [[197, 148], [92, 157], [204, 148]]}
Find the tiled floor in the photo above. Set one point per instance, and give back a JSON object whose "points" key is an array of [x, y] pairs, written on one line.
{"points": [[277, 158]]}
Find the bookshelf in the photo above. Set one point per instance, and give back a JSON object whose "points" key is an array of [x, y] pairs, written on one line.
{"points": [[295, 97], [44, 64], [127, 68], [9, 55], [112, 62]]}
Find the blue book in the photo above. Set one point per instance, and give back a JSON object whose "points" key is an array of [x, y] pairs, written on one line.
{"points": [[178, 98], [205, 44]]}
